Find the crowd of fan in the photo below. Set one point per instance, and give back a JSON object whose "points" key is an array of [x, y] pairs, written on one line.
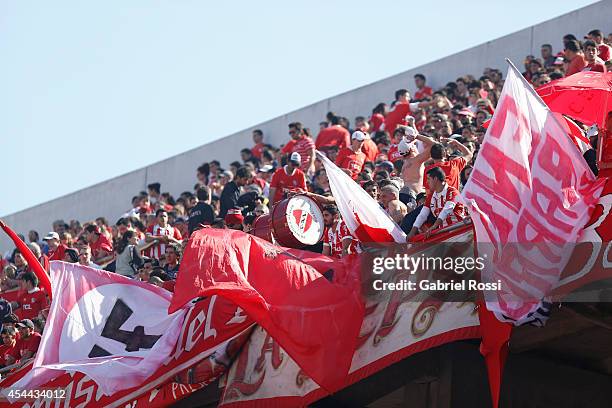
{"points": [[413, 156]]}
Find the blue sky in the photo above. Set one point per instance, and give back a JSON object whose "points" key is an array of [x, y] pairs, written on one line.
{"points": [[92, 90]]}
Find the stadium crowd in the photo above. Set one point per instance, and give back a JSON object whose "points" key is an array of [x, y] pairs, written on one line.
{"points": [[412, 155]]}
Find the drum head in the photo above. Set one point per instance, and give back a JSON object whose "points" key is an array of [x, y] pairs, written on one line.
{"points": [[304, 219]]}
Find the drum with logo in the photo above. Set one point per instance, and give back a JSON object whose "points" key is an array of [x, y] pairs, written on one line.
{"points": [[295, 223]]}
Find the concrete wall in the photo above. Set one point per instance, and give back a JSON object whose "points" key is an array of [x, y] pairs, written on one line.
{"points": [[112, 198]]}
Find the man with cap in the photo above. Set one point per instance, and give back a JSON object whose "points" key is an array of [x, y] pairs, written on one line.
{"points": [[351, 159], [288, 178], [29, 341], [56, 248]]}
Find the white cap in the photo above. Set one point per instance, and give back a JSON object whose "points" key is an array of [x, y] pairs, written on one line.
{"points": [[358, 135], [51, 235], [295, 157]]}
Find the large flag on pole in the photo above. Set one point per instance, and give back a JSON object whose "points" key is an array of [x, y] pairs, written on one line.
{"points": [[362, 214], [530, 194], [114, 329]]}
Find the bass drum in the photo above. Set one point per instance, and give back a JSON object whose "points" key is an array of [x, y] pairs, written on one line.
{"points": [[262, 227], [297, 222]]}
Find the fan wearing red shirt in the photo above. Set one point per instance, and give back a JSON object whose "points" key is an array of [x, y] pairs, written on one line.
{"points": [[32, 301], [258, 149], [303, 145], [594, 63], [605, 52], [337, 239], [573, 53], [29, 341], [441, 201], [351, 159], [56, 248], [378, 117], [288, 177], [100, 246], [9, 351], [369, 147], [334, 135], [423, 91], [452, 168], [402, 108]]}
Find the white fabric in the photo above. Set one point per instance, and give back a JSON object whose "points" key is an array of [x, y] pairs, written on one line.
{"points": [[82, 304], [529, 184], [353, 201]]}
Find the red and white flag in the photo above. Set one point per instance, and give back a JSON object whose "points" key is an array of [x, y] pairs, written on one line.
{"points": [[530, 194], [363, 216], [114, 329], [308, 302]]}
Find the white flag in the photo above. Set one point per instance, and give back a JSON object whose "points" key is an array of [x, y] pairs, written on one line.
{"points": [[114, 329], [363, 216], [530, 194]]}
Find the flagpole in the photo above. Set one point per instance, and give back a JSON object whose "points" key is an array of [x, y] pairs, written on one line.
{"points": [[533, 91]]}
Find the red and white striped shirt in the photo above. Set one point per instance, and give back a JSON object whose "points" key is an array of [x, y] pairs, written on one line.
{"points": [[304, 147], [156, 251], [442, 205], [334, 236]]}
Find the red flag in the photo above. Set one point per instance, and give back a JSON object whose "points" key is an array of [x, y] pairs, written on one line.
{"points": [[286, 291], [33, 263]]}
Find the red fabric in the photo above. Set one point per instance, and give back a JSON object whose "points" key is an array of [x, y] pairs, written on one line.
{"points": [[304, 146], [288, 148], [31, 304], [257, 150], [29, 344], [349, 160], [284, 291], [604, 52], [102, 244], [370, 150], [436, 203], [38, 270], [576, 65], [423, 93], [376, 121], [494, 348], [169, 285], [393, 154], [452, 169], [584, 97], [12, 351], [334, 237], [58, 254], [334, 135], [596, 66], [281, 180], [397, 117], [156, 251]]}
